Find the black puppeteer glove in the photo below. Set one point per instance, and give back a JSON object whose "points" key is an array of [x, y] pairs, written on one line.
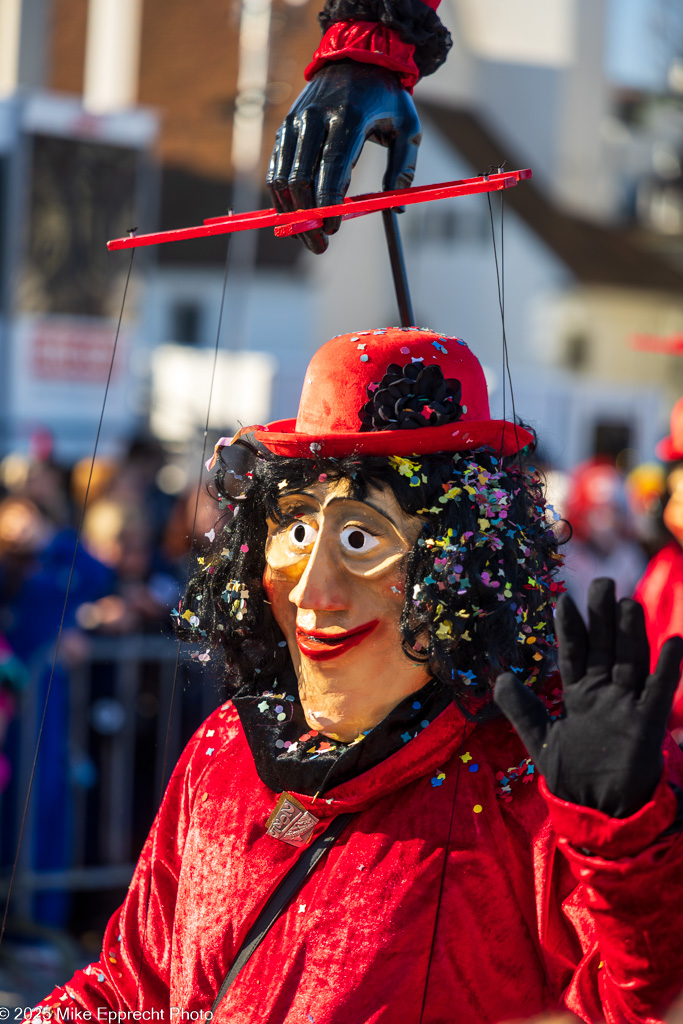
{"points": [[320, 140], [606, 753]]}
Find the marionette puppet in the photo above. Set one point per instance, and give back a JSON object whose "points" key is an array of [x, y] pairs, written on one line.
{"points": [[403, 814], [360, 834]]}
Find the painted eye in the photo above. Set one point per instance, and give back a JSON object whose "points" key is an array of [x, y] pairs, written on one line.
{"points": [[301, 535], [358, 541]]}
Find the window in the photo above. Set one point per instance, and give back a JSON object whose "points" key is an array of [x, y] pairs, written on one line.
{"points": [[186, 323]]}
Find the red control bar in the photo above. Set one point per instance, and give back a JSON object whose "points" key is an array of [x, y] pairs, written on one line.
{"points": [[672, 345], [304, 220]]}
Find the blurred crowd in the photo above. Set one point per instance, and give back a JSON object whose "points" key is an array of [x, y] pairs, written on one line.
{"points": [[123, 578], [629, 526], [127, 569], [130, 563]]}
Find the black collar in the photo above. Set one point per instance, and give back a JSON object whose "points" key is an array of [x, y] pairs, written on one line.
{"points": [[288, 757]]}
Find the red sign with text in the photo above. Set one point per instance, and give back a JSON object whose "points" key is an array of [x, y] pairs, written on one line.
{"points": [[70, 352]]}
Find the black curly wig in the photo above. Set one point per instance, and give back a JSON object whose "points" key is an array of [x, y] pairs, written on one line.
{"points": [[479, 581]]}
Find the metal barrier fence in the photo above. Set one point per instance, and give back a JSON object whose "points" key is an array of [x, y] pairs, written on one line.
{"points": [[122, 739]]}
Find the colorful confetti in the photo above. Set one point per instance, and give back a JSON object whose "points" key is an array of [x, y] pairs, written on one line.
{"points": [[525, 772]]}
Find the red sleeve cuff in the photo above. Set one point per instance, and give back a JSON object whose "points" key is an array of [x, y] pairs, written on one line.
{"points": [[367, 42], [611, 838]]}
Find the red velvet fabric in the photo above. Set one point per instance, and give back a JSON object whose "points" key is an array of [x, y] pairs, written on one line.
{"points": [[336, 387], [518, 922], [368, 42], [660, 592]]}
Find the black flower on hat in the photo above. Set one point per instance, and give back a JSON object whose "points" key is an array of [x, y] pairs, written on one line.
{"points": [[410, 397]]}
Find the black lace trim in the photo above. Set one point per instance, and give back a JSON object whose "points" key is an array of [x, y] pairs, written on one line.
{"points": [[414, 21], [411, 397], [288, 757]]}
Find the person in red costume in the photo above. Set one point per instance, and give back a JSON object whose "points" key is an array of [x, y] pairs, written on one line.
{"points": [[362, 833], [360, 82], [660, 591], [602, 541]]}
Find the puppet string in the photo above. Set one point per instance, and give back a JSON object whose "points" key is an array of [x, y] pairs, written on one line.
{"points": [[66, 602], [500, 281], [501, 299], [196, 503], [174, 685]]}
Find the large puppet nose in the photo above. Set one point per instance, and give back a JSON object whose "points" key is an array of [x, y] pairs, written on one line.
{"points": [[322, 586]]}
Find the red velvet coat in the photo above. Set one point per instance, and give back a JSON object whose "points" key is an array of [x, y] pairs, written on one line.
{"points": [[516, 921]]}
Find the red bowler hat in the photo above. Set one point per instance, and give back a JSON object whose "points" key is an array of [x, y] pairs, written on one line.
{"points": [[670, 449], [394, 391]]}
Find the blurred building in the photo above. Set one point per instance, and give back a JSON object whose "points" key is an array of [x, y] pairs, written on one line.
{"points": [[116, 116], [592, 247], [68, 180], [591, 265]]}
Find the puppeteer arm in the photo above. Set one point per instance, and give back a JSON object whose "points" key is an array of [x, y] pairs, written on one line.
{"points": [[359, 82], [133, 972], [609, 778]]}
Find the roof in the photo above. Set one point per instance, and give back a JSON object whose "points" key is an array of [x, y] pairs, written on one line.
{"points": [[594, 253]]}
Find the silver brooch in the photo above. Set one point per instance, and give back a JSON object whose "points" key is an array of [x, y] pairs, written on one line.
{"points": [[290, 821]]}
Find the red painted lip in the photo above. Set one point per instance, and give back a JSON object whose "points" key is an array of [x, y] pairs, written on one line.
{"points": [[319, 645]]}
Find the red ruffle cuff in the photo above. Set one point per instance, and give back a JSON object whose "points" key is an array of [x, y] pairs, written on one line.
{"points": [[611, 838], [368, 42]]}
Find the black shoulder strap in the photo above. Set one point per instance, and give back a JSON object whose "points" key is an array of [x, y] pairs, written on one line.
{"points": [[277, 903]]}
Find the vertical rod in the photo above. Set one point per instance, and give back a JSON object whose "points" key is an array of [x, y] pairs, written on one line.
{"points": [[398, 268]]}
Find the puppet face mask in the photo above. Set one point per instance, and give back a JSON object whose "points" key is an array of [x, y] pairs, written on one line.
{"points": [[335, 573]]}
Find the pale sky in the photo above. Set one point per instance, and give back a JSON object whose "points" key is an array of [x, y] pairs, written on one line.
{"points": [[636, 51]]}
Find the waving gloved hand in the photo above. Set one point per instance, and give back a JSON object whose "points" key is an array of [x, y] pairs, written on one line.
{"points": [[321, 138], [606, 752]]}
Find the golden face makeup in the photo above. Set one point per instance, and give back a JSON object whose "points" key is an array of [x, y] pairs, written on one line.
{"points": [[335, 572]]}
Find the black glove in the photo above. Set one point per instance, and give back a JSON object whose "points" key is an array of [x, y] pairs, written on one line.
{"points": [[322, 136], [606, 752]]}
